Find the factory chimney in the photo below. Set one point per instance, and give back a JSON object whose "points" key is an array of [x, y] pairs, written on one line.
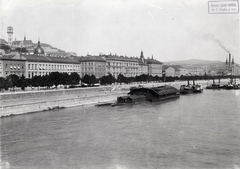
{"points": [[229, 60]]}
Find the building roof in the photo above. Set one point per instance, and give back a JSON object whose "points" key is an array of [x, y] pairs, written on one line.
{"points": [[22, 42], [120, 58], [50, 59], [2, 41], [17, 57], [7, 57], [62, 59], [176, 67], [89, 59], [153, 61]]}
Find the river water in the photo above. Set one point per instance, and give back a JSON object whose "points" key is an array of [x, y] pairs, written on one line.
{"points": [[194, 131]]}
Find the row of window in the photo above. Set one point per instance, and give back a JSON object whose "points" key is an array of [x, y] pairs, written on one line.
{"points": [[14, 66], [32, 74], [14, 73], [122, 64], [52, 67]]}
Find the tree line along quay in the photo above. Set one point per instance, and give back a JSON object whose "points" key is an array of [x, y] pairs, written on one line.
{"points": [[54, 79], [25, 64]]}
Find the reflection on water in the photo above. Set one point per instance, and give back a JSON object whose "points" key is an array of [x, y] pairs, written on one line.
{"points": [[194, 131]]}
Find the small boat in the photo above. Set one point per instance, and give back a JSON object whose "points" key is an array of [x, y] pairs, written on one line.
{"points": [[215, 85], [103, 104], [232, 85], [186, 89], [197, 88], [148, 94], [229, 86], [132, 99]]}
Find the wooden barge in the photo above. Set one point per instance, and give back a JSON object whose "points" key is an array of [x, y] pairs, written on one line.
{"points": [[148, 94]]}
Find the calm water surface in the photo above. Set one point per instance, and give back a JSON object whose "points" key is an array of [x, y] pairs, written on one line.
{"points": [[194, 131]]}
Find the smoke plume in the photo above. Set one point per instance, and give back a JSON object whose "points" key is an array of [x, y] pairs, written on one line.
{"points": [[212, 38]]}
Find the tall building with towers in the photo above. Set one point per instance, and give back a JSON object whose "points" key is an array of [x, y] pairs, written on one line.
{"points": [[10, 35], [229, 63]]}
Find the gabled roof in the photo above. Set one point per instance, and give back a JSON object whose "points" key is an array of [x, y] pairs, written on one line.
{"points": [[176, 67]]}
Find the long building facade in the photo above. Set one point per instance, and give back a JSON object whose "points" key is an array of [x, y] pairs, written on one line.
{"points": [[39, 64], [92, 65]]}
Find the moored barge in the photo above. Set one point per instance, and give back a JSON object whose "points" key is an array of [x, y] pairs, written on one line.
{"points": [[152, 94]]}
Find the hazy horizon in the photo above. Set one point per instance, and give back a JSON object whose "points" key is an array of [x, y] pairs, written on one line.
{"points": [[168, 30]]}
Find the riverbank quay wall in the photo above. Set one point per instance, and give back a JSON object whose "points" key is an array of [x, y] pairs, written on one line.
{"points": [[43, 100], [50, 93], [28, 102]]}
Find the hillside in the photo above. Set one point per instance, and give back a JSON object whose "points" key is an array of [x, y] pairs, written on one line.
{"points": [[194, 62], [198, 64]]}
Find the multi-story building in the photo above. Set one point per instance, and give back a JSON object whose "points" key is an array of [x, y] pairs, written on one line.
{"points": [[174, 70], [31, 61], [196, 71], [127, 66], [12, 64], [92, 65], [37, 64], [154, 67]]}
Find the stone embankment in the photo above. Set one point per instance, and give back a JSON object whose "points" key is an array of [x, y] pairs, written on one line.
{"points": [[28, 102], [35, 101]]}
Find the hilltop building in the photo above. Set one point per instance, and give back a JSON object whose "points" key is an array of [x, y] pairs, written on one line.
{"points": [[22, 43], [10, 33]]}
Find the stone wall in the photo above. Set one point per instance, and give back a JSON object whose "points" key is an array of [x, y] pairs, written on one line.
{"points": [[49, 93], [17, 109]]}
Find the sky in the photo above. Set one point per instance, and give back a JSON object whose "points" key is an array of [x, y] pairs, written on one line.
{"points": [[168, 30]]}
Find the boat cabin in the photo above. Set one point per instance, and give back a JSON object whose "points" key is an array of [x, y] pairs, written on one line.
{"points": [[130, 99]]}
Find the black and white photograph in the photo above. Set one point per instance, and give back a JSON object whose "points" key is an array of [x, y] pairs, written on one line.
{"points": [[119, 84]]}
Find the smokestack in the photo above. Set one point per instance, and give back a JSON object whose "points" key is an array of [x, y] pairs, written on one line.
{"points": [[229, 60]]}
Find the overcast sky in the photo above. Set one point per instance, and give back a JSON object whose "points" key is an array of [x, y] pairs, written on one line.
{"points": [[167, 29]]}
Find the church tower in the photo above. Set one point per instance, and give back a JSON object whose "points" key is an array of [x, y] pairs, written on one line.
{"points": [[226, 64], [142, 57], [10, 33]]}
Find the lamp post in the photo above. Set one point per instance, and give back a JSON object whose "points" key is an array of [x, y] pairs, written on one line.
{"points": [[164, 76]]}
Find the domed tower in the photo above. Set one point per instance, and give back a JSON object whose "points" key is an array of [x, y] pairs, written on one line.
{"points": [[38, 50], [10, 33]]}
